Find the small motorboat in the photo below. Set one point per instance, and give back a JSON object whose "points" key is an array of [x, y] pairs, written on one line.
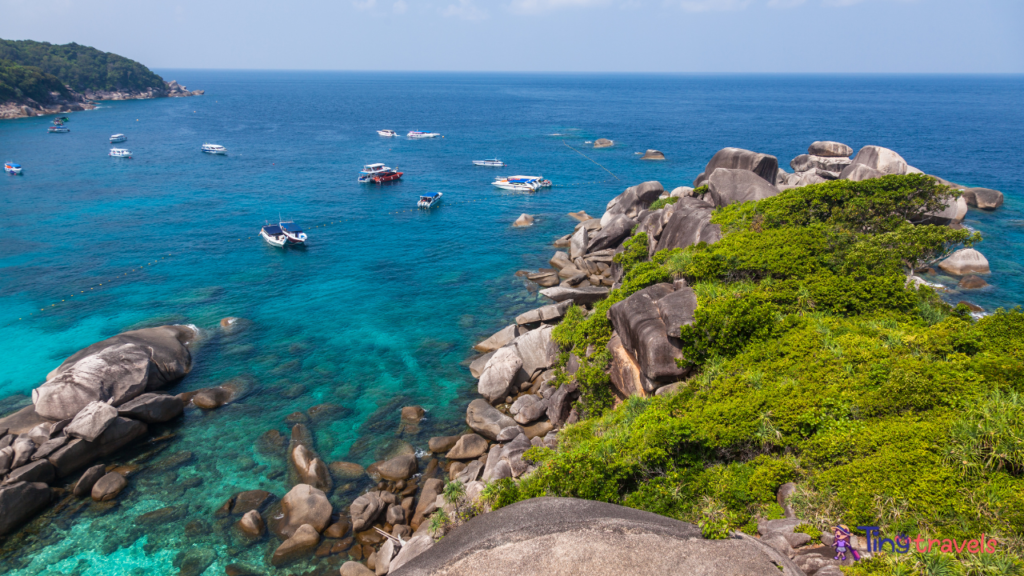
{"points": [[492, 162], [388, 133], [58, 129], [120, 153], [378, 173], [429, 199], [12, 168], [214, 149], [418, 134], [64, 119], [522, 183], [292, 233], [274, 235], [118, 138]]}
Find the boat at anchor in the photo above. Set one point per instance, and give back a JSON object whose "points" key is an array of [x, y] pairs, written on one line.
{"points": [[292, 232], [429, 200], [120, 153], [522, 183], [12, 168], [418, 134], [378, 173], [492, 162]]}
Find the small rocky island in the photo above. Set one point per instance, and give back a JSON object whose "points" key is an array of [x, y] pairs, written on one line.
{"points": [[620, 428], [38, 78]]}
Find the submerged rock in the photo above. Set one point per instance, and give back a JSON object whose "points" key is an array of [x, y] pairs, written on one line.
{"points": [[88, 480], [603, 143], [522, 221], [108, 487], [301, 543], [117, 369]]}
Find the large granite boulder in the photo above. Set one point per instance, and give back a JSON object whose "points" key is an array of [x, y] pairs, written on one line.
{"points": [[954, 213], [689, 224], [537, 351], [544, 313], [877, 158], [631, 202], [152, 408], [468, 447], [580, 296], [853, 173], [579, 243], [303, 504], [612, 232], [365, 509], [84, 485], [829, 149], [499, 375], [19, 502], [984, 198], [569, 536], [108, 487], [486, 420], [639, 322], [91, 421], [730, 186], [500, 338], [965, 261], [301, 543], [398, 468], [117, 370], [764, 165]]}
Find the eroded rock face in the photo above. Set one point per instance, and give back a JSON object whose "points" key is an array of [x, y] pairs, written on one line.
{"points": [[91, 421], [252, 524], [544, 313], [612, 232], [398, 468], [580, 296], [117, 369], [631, 202], [854, 173], [730, 186], [78, 453], [537, 351], [365, 509], [689, 224], [500, 338], [638, 322], [764, 165], [298, 545], [19, 502], [468, 447]]}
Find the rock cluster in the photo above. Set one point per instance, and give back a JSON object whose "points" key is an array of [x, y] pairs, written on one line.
{"points": [[96, 402]]}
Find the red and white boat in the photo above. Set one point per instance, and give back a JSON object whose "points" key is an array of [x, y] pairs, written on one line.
{"points": [[378, 173]]}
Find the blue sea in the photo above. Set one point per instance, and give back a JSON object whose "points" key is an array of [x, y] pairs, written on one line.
{"points": [[380, 309]]}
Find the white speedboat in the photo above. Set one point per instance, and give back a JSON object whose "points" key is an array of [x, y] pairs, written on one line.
{"points": [[388, 133], [429, 200], [292, 233], [522, 183], [274, 235], [378, 173], [214, 149], [492, 162], [120, 153], [118, 138], [418, 134], [12, 168], [58, 129]]}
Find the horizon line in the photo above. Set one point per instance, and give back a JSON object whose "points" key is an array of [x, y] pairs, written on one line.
{"points": [[582, 72]]}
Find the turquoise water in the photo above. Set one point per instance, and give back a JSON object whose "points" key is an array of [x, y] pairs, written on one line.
{"points": [[379, 311]]}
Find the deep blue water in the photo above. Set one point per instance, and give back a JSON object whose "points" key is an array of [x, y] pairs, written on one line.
{"points": [[379, 311]]}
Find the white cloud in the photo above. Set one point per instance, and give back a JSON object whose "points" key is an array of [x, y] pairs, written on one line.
{"points": [[714, 5], [466, 10], [399, 7], [534, 6]]}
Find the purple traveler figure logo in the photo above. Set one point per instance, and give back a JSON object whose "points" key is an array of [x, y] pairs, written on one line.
{"points": [[842, 543]]}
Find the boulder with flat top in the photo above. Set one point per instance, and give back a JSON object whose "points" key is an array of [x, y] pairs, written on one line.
{"points": [[732, 186], [984, 198], [117, 370], [19, 502], [152, 408], [829, 149]]}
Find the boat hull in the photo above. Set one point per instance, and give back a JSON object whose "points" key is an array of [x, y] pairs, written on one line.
{"points": [[423, 203], [276, 241], [380, 179], [13, 171], [490, 163]]}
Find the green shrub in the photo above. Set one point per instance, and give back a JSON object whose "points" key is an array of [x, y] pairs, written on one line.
{"points": [[662, 202]]}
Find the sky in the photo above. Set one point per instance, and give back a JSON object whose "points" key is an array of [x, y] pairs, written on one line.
{"points": [[675, 36]]}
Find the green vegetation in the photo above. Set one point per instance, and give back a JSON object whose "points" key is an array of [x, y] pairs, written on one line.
{"points": [[662, 202], [34, 69], [20, 82], [814, 362]]}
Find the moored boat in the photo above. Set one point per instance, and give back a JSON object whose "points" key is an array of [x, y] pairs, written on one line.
{"points": [[429, 200], [120, 153], [118, 138], [12, 168], [378, 173], [389, 133], [418, 134], [214, 149], [522, 183], [58, 129], [492, 162], [292, 232], [274, 235]]}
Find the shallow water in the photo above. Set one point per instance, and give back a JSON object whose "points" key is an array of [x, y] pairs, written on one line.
{"points": [[379, 311]]}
